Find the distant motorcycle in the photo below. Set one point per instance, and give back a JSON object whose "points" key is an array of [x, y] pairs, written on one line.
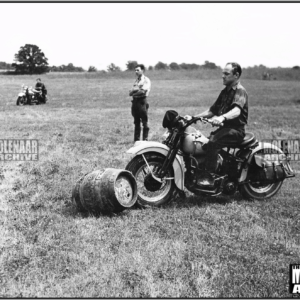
{"points": [[29, 96], [161, 169]]}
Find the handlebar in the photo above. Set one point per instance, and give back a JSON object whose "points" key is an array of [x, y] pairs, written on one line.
{"points": [[196, 119]]}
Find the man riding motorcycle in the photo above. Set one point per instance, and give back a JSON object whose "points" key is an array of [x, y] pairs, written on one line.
{"points": [[229, 110], [40, 87]]}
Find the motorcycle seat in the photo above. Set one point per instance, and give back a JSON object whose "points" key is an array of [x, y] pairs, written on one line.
{"points": [[248, 141]]}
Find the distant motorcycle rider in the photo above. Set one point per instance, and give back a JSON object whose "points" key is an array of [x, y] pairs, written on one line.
{"points": [[40, 86]]}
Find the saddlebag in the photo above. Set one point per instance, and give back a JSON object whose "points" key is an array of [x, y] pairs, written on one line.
{"points": [[273, 171]]}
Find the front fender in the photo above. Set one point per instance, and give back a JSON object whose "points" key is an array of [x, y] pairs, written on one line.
{"points": [[141, 147], [260, 146]]}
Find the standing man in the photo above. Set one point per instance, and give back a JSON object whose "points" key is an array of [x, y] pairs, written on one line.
{"points": [[139, 109], [231, 110]]}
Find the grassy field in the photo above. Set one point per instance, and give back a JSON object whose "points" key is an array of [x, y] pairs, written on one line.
{"points": [[194, 247]]}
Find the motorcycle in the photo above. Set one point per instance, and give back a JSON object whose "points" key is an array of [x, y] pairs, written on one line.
{"points": [[23, 96], [29, 96], [255, 169]]}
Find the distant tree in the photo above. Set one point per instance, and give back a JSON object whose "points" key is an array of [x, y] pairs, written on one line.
{"points": [[194, 66], [174, 66], [92, 69], [30, 60], [150, 68], [185, 66], [79, 69], [161, 66], [5, 66], [69, 68], [209, 65], [113, 68], [131, 65], [54, 69], [296, 68]]}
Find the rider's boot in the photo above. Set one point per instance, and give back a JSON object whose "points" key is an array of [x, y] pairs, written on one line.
{"points": [[206, 180]]}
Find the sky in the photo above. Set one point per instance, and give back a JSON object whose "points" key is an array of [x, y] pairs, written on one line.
{"points": [[98, 34]]}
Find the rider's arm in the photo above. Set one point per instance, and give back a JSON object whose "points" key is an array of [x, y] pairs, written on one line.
{"points": [[232, 114], [205, 114]]}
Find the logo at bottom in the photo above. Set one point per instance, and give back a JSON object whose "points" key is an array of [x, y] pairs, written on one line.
{"points": [[295, 280]]}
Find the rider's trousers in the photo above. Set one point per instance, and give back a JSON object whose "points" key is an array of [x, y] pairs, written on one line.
{"points": [[222, 137]]}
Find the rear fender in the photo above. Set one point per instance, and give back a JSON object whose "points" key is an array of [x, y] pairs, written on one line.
{"points": [[259, 147], [142, 147]]}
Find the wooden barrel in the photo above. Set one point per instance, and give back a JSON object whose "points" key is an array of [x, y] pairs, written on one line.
{"points": [[108, 191]]}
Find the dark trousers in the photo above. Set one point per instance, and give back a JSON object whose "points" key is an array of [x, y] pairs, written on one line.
{"points": [[139, 111], [28, 97], [222, 137]]}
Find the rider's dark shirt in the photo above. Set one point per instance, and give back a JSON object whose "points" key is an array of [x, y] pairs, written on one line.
{"points": [[227, 100], [40, 86]]}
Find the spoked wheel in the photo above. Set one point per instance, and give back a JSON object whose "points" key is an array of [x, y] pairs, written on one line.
{"points": [[257, 189], [150, 191]]}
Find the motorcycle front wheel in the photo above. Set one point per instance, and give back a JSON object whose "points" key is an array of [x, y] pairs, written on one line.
{"points": [[20, 101], [150, 191], [258, 190]]}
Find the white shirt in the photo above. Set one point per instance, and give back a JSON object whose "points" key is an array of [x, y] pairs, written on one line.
{"points": [[143, 83]]}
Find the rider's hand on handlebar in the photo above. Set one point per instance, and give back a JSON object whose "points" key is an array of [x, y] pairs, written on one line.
{"points": [[188, 117], [217, 121], [204, 120]]}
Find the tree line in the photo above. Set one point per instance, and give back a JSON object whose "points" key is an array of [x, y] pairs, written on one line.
{"points": [[30, 59]]}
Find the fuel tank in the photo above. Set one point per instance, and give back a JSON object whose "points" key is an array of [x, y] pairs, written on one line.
{"points": [[193, 142]]}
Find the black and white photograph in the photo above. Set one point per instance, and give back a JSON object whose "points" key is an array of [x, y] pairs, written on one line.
{"points": [[149, 150]]}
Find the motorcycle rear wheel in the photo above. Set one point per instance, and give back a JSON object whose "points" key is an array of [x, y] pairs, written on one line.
{"points": [[260, 191], [154, 193]]}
